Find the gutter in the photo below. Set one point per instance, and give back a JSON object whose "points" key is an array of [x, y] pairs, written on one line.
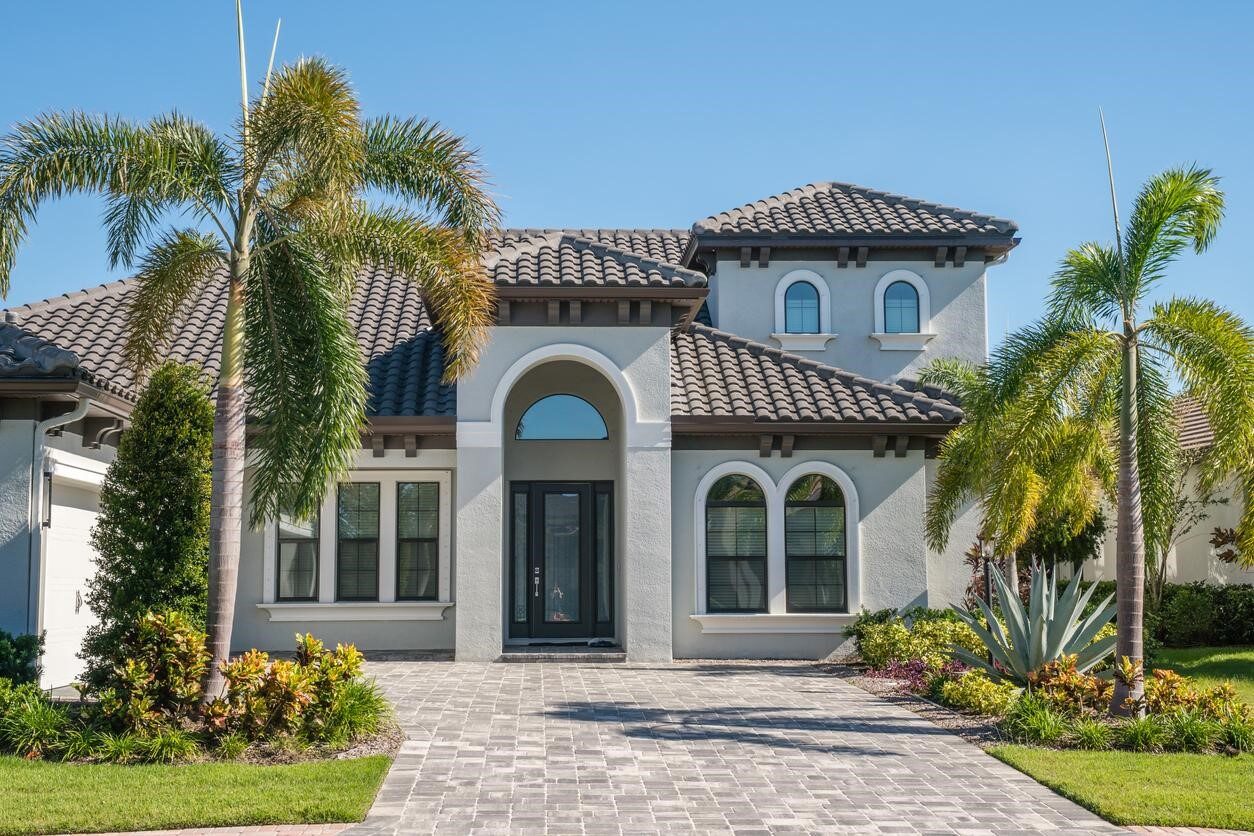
{"points": [[34, 558]]}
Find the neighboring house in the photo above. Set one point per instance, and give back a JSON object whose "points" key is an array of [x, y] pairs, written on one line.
{"points": [[1192, 558], [683, 443]]}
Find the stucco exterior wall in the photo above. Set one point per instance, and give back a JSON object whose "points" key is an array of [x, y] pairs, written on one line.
{"points": [[743, 303], [15, 471], [635, 360], [893, 567]]}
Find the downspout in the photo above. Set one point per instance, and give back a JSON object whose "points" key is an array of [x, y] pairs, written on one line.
{"points": [[34, 559]]}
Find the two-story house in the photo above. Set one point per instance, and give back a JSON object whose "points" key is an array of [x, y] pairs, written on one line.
{"points": [[677, 443]]}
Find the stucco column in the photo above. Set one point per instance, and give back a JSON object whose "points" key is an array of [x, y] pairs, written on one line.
{"points": [[646, 563], [477, 577]]}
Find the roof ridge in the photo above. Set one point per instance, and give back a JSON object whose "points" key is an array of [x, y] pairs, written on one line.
{"points": [[825, 369]]}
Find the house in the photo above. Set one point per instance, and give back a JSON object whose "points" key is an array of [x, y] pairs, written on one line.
{"points": [[1191, 556], [680, 443]]}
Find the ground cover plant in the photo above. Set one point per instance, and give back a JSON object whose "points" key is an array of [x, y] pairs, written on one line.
{"points": [[46, 797]]}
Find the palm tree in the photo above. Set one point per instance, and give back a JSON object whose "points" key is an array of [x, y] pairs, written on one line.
{"points": [[279, 218], [1083, 398]]}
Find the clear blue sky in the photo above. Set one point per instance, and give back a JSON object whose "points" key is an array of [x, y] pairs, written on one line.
{"points": [[659, 113]]}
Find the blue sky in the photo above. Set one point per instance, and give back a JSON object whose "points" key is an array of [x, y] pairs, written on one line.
{"points": [[657, 114]]}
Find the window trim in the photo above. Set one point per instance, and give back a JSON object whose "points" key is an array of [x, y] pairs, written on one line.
{"points": [[378, 545], [439, 531], [803, 342], [817, 299], [903, 341], [278, 553]]}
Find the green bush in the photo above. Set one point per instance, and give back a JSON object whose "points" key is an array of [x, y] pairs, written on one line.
{"points": [[867, 619], [231, 747], [1202, 614], [152, 535], [80, 743], [1090, 733], [930, 640], [169, 746], [1187, 618], [19, 657], [1031, 719], [1237, 732], [358, 710], [122, 747], [32, 726], [974, 691], [1192, 731], [1142, 734], [157, 683]]}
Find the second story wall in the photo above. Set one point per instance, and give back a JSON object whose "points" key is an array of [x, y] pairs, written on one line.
{"points": [[748, 301]]}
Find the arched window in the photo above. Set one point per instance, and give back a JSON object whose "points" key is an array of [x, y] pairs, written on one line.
{"points": [[901, 309], [735, 546], [801, 309], [565, 417], [815, 545]]}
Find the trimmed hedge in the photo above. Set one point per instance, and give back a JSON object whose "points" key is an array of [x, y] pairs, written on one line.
{"points": [[1198, 614]]}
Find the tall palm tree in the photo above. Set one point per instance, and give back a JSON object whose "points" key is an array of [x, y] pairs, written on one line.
{"points": [[1088, 389], [280, 218]]}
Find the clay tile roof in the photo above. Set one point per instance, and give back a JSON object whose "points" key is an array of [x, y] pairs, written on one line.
{"points": [[719, 375], [664, 245], [1191, 425], [835, 209], [567, 259]]}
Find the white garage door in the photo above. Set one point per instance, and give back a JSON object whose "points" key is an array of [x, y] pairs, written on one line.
{"points": [[69, 563]]}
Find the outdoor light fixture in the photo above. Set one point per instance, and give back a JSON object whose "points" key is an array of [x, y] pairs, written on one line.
{"points": [[47, 521]]}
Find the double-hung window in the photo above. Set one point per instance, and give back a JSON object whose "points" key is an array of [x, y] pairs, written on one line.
{"points": [[417, 541], [815, 545], [735, 546], [357, 542], [297, 557]]}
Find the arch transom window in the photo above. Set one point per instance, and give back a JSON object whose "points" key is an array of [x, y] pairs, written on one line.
{"points": [[561, 417], [801, 308], [735, 546], [815, 547], [901, 309]]}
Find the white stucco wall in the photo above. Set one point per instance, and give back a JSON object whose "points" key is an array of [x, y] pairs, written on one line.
{"points": [[634, 359], [744, 303], [15, 470]]}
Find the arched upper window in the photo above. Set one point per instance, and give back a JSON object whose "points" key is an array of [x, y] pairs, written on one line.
{"points": [[735, 546], [901, 309], [565, 417], [801, 308], [815, 545]]}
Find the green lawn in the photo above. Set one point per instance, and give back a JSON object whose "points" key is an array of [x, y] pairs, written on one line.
{"points": [[1131, 788], [1213, 665], [41, 797]]}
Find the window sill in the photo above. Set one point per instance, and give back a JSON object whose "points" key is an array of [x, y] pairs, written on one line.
{"points": [[903, 342], [356, 611], [762, 623], [803, 342]]}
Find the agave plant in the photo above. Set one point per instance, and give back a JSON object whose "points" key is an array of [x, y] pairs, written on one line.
{"points": [[1051, 626]]}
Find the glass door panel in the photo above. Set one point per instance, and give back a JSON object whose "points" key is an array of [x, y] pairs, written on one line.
{"points": [[563, 540]]}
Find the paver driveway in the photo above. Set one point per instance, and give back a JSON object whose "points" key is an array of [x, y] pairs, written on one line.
{"points": [[773, 748]]}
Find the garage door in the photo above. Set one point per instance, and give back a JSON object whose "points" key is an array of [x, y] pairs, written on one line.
{"points": [[69, 563]]}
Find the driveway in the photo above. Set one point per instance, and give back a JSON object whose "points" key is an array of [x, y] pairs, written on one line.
{"points": [[685, 748]]}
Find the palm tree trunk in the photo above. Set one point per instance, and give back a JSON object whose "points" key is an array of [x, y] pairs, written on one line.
{"points": [[227, 497], [1130, 540]]}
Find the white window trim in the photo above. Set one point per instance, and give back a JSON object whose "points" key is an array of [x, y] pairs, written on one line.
{"points": [[803, 342], [777, 619], [910, 341], [387, 607]]}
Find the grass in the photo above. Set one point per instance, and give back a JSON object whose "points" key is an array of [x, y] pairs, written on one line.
{"points": [[43, 797], [1130, 788], [1213, 665]]}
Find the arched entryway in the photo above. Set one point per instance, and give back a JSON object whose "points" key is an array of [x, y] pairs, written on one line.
{"points": [[563, 427]]}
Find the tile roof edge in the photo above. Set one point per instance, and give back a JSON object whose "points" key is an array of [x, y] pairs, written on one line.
{"points": [[69, 296], [829, 371], [537, 241]]}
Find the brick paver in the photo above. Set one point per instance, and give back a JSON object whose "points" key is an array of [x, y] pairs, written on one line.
{"points": [[686, 748]]}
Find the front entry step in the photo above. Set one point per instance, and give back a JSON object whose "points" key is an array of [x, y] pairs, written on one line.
{"points": [[577, 653]]}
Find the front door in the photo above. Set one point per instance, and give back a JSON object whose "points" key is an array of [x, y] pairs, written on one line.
{"points": [[561, 570]]}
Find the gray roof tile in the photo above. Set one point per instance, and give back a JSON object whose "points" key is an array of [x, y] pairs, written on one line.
{"points": [[835, 209], [664, 245], [1192, 425], [566, 259]]}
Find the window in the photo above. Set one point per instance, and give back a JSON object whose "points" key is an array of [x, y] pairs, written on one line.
{"points": [[735, 546], [901, 309], [801, 309], [357, 542], [814, 545], [297, 556], [561, 417], [417, 541]]}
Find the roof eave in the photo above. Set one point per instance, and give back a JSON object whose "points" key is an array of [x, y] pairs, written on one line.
{"points": [[989, 241], [719, 425]]}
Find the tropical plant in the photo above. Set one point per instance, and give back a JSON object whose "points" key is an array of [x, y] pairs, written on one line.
{"points": [[974, 691], [1052, 626], [1091, 733], [157, 683], [1147, 733], [1082, 399], [281, 230], [152, 536], [1031, 719], [19, 657]]}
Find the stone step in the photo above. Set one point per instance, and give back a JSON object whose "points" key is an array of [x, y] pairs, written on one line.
{"points": [[579, 654]]}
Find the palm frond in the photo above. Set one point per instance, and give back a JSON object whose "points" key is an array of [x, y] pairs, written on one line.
{"points": [[417, 160], [1087, 285], [1158, 453], [1178, 208], [173, 270]]}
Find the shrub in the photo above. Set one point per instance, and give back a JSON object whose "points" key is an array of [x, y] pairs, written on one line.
{"points": [[169, 746], [1031, 719], [158, 682], [19, 657], [1237, 732], [123, 747], [32, 726], [1188, 616], [1142, 734], [231, 746], [1234, 614], [357, 711], [1191, 731], [1201, 614], [1222, 701], [80, 743], [929, 640], [1090, 733], [1167, 691], [974, 691], [1068, 690], [152, 535], [866, 619]]}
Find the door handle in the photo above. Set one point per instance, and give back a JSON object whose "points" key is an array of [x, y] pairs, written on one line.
{"points": [[535, 579]]}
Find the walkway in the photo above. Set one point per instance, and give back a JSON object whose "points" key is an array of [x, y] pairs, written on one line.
{"points": [[718, 748]]}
